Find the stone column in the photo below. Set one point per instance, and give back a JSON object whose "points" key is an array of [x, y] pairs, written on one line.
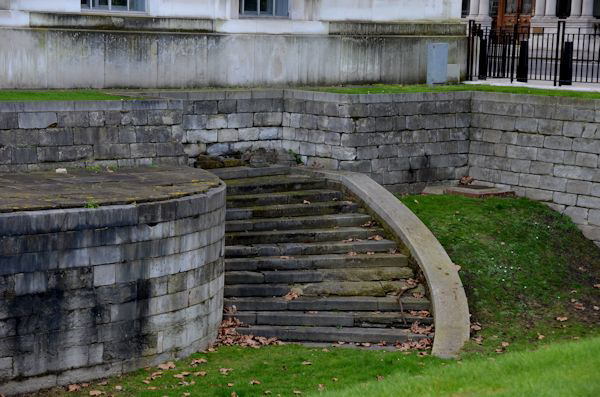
{"points": [[4, 4], [540, 8], [484, 13], [473, 9], [576, 8], [551, 8], [587, 9]]}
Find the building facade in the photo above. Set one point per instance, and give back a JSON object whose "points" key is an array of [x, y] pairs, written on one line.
{"points": [[540, 15]]}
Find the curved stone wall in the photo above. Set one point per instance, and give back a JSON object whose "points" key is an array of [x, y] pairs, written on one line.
{"points": [[87, 293]]}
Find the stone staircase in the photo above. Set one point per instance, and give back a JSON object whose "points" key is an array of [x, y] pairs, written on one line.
{"points": [[306, 263]]}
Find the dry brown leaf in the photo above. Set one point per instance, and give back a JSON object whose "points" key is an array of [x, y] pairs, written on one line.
{"points": [[230, 385], [380, 378], [199, 361], [146, 381], [540, 336], [596, 308], [306, 363], [596, 285], [103, 383], [119, 388], [579, 306], [200, 374], [297, 392], [352, 253], [321, 387], [187, 394], [562, 319], [504, 344], [255, 382], [96, 393], [475, 327], [167, 366], [72, 388], [225, 371], [376, 237], [478, 340], [325, 350], [182, 375], [306, 202]]}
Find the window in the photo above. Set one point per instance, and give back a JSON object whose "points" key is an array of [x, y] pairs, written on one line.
{"points": [[114, 5], [264, 8]]}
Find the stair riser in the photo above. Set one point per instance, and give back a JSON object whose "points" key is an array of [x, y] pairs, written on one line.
{"points": [[279, 199], [316, 305], [299, 236], [307, 210], [313, 249], [316, 320], [315, 336], [236, 173], [258, 225], [319, 275], [266, 264], [275, 187]]}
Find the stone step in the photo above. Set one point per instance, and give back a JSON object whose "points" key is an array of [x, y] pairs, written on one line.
{"points": [[329, 303], [325, 288], [250, 172], [332, 261], [319, 275], [294, 249], [293, 197], [287, 210], [331, 334], [273, 184], [331, 319], [301, 236], [299, 222]]}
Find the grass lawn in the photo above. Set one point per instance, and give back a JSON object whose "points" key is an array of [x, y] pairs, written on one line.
{"points": [[523, 266], [405, 89], [58, 95]]}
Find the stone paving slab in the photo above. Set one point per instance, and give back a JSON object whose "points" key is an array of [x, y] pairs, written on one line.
{"points": [[90, 188]]}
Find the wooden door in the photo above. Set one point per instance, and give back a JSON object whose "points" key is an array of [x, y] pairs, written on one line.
{"points": [[512, 11]]}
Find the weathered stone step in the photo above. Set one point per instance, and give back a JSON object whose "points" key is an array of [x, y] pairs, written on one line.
{"points": [[301, 236], [331, 319], [293, 249], [299, 222], [272, 184], [293, 197], [250, 172], [334, 261], [330, 303], [319, 275], [325, 288], [331, 334], [287, 210]]}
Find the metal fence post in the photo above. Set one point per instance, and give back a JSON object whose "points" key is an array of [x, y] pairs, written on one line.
{"points": [[566, 64], [483, 59], [523, 66]]}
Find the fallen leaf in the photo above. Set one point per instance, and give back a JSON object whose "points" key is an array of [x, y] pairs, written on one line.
{"points": [[234, 394], [596, 308], [255, 382], [146, 381], [290, 296], [370, 253], [182, 375], [267, 392], [96, 393], [562, 319], [225, 371], [475, 327], [306, 202], [103, 383], [72, 388], [198, 361], [152, 388], [297, 392], [380, 378], [167, 366], [540, 336], [376, 237], [499, 351], [200, 374], [187, 394], [119, 388], [352, 253], [579, 306], [504, 344], [306, 363], [478, 340], [230, 385], [596, 285], [285, 257]]}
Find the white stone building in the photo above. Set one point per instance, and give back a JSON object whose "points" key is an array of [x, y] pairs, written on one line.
{"points": [[198, 43]]}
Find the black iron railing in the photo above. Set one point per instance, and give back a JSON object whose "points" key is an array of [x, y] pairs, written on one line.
{"points": [[522, 54]]}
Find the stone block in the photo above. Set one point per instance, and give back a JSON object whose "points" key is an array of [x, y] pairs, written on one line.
{"points": [[550, 127], [252, 134], [112, 151], [531, 140], [73, 119], [588, 202], [578, 215], [216, 121], [541, 168], [142, 150], [579, 187], [227, 106], [564, 198], [164, 117], [525, 124], [154, 134], [519, 152], [195, 122], [269, 133], [586, 160], [552, 183], [239, 120], [97, 119], [202, 136], [550, 156], [572, 172], [228, 135], [56, 137], [31, 283], [38, 120], [558, 142], [206, 107], [594, 217], [9, 121]]}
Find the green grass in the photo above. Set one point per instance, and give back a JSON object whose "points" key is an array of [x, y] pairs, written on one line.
{"points": [[522, 265], [58, 95], [405, 89], [567, 369]]}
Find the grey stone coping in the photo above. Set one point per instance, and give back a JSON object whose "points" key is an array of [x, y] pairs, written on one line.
{"points": [[85, 187], [448, 298], [76, 106]]}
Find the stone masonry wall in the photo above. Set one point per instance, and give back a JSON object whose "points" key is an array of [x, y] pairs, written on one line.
{"points": [[40, 135], [90, 293], [544, 148]]}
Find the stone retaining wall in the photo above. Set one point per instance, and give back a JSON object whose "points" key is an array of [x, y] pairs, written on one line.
{"points": [[89, 293], [40, 135], [544, 148]]}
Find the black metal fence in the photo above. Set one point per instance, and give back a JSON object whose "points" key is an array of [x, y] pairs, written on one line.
{"points": [[522, 54]]}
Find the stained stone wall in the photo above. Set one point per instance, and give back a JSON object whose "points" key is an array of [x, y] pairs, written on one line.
{"points": [[89, 293], [40, 135], [544, 148]]}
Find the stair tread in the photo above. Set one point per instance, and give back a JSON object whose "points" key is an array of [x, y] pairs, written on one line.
{"points": [[288, 193], [345, 219], [295, 205], [311, 262], [291, 249], [332, 334], [342, 229], [272, 180], [345, 299], [245, 172]]}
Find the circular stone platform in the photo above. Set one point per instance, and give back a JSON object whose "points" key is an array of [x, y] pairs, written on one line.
{"points": [[103, 273]]}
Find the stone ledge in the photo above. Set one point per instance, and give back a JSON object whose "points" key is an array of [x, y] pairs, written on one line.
{"points": [[449, 301]]}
